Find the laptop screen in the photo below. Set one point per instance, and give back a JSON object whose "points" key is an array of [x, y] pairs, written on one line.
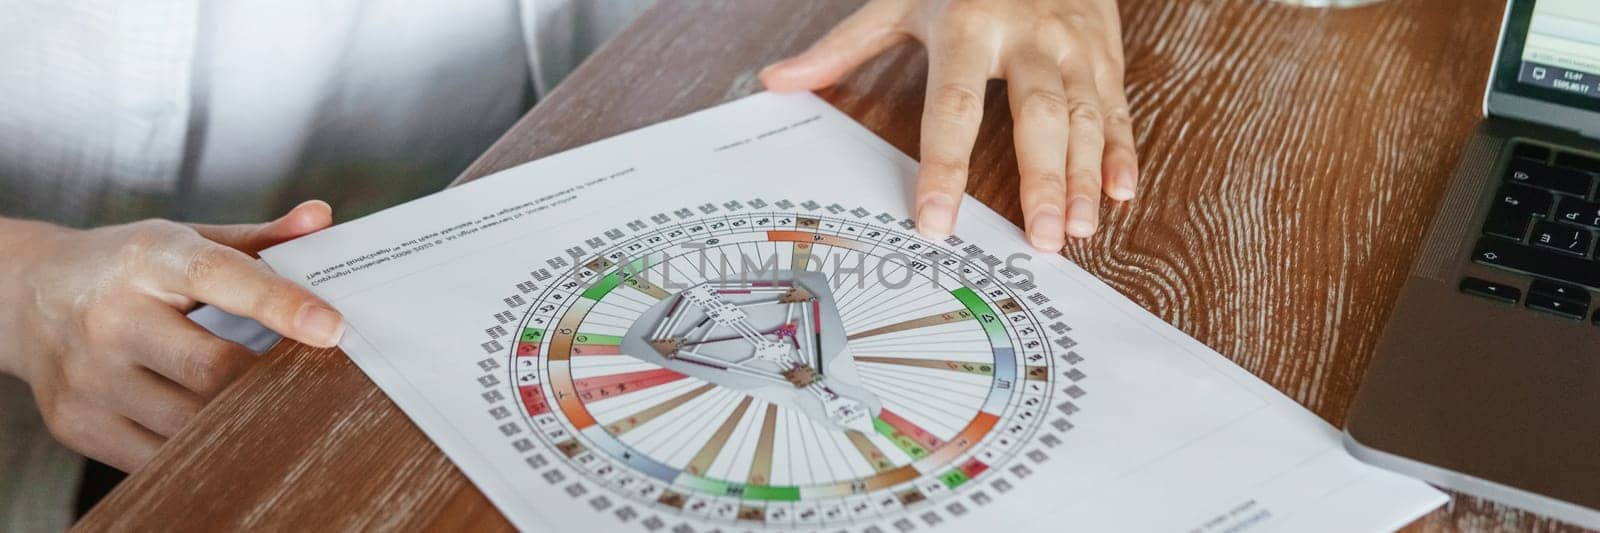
{"points": [[1562, 49], [1551, 52]]}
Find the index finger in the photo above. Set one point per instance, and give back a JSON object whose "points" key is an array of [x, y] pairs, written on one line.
{"points": [[232, 281], [951, 114]]}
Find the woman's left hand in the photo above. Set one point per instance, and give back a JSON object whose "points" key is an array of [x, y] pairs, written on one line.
{"points": [[1062, 62]]}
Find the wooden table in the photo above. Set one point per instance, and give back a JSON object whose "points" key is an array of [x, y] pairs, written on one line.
{"points": [[1291, 159]]}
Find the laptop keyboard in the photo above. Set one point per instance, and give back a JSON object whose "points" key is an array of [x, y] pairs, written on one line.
{"points": [[1543, 223]]}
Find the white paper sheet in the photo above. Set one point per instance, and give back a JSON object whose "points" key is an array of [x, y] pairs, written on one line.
{"points": [[1029, 398]]}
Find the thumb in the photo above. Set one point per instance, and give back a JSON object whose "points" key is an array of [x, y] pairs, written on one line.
{"points": [[304, 219], [863, 35]]}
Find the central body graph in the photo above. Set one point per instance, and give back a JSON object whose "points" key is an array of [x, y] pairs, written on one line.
{"points": [[778, 368]]}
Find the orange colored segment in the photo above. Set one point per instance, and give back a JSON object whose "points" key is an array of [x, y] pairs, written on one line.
{"points": [[891, 478], [806, 236], [795, 236], [596, 349], [965, 440], [567, 396]]}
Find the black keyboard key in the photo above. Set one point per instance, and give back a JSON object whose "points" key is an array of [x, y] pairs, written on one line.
{"points": [[1526, 199], [1490, 290], [1562, 237], [1564, 308], [1513, 208], [1577, 211], [1584, 163], [1508, 255], [1560, 291], [1531, 151], [1507, 222], [1558, 179]]}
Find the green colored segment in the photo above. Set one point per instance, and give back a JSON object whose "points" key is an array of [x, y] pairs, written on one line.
{"points": [[610, 281], [772, 493], [602, 287], [532, 334], [900, 440], [595, 338], [954, 478], [983, 314], [782, 493]]}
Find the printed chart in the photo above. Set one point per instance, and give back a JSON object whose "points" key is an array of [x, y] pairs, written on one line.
{"points": [[726, 322], [755, 364]]}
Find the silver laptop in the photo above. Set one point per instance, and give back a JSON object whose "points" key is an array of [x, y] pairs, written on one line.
{"points": [[1487, 377]]}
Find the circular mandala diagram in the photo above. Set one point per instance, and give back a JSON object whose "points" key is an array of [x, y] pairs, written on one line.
{"points": [[772, 365]]}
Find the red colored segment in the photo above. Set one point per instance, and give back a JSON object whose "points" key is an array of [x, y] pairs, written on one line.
{"points": [[527, 349], [602, 387], [973, 467], [905, 427], [533, 400]]}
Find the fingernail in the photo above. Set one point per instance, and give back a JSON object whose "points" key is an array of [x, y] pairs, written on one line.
{"points": [[936, 218], [1124, 186], [1080, 217], [318, 322], [1048, 229], [299, 222], [775, 66]]}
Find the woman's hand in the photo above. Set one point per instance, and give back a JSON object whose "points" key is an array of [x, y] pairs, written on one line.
{"points": [[1062, 62], [94, 322]]}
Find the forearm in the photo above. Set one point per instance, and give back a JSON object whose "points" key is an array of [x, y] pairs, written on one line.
{"points": [[15, 236]]}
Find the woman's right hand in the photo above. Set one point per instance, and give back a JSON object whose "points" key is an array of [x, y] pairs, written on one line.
{"points": [[94, 322]]}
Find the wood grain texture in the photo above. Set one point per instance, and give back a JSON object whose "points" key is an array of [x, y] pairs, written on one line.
{"points": [[1291, 160]]}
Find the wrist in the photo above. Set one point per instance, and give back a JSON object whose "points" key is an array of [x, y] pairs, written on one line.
{"points": [[21, 246]]}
